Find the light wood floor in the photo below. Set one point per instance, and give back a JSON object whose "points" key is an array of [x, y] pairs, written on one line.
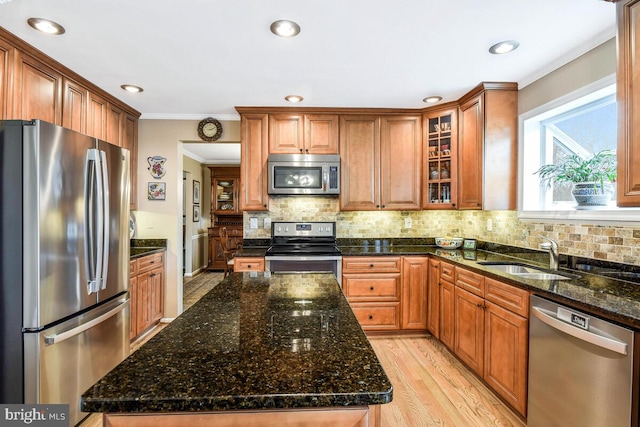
{"points": [[431, 387]]}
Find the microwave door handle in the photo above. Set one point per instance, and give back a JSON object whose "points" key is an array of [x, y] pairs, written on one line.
{"points": [[325, 179]]}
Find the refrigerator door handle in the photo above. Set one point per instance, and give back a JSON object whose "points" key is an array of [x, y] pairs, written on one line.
{"points": [[59, 337], [105, 220], [92, 218]]}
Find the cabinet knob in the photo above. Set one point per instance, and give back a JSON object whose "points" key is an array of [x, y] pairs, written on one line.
{"points": [[479, 305], [371, 265], [384, 206], [377, 206], [370, 317], [371, 288], [301, 150]]}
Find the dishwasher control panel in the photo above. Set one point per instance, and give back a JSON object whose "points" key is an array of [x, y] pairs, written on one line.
{"points": [[576, 319]]}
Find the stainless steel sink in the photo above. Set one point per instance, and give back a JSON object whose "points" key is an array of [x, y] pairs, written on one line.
{"points": [[526, 271]]}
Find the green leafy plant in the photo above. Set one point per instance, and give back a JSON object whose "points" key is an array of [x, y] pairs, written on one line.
{"points": [[600, 168]]}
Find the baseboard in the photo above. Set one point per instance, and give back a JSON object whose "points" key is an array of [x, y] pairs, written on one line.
{"points": [[167, 319]]}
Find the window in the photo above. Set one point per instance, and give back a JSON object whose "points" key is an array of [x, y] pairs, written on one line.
{"points": [[582, 124]]}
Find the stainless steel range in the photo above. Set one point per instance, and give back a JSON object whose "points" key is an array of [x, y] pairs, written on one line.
{"points": [[304, 247]]}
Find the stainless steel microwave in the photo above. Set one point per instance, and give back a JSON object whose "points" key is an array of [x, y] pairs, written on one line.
{"points": [[304, 174]]}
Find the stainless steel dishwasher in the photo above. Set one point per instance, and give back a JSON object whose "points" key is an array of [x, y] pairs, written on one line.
{"points": [[580, 369]]}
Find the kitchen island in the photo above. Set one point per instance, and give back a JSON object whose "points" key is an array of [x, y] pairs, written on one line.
{"points": [[259, 349]]}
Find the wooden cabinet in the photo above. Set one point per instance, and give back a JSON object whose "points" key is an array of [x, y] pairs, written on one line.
{"points": [[146, 287], [491, 333], [234, 229], [248, 264], [297, 133], [433, 298], [74, 109], [628, 95], [254, 152], [37, 90], [6, 76], [487, 147], [415, 272], [447, 308], [97, 116], [440, 170], [381, 162], [225, 189], [130, 142], [373, 287]]}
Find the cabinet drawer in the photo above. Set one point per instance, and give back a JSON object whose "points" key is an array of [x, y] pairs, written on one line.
{"points": [[378, 287], [470, 281], [377, 316], [150, 262], [508, 297], [383, 264], [447, 271], [133, 268], [248, 264]]}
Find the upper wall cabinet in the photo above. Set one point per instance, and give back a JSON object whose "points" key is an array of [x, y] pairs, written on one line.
{"points": [[381, 162], [440, 167], [34, 86], [628, 103], [254, 152], [37, 90], [294, 133], [487, 147]]}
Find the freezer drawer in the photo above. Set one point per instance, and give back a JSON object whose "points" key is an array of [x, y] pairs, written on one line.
{"points": [[65, 360], [580, 369]]}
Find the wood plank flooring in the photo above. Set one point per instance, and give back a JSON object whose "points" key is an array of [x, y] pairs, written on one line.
{"points": [[431, 386]]}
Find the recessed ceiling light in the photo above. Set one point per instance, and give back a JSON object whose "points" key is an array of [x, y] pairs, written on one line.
{"points": [[293, 98], [285, 28], [132, 88], [504, 47], [45, 26], [432, 99]]}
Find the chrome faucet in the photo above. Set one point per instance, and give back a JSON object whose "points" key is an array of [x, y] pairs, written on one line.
{"points": [[552, 247]]}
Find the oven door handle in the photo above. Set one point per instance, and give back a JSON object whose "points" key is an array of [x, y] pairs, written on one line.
{"points": [[303, 258]]}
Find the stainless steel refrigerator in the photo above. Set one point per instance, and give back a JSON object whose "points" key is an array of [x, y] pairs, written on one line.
{"points": [[64, 265]]}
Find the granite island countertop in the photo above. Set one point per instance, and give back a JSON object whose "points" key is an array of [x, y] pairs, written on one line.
{"points": [[256, 341]]}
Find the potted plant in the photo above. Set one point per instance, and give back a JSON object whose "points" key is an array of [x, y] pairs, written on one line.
{"points": [[591, 177]]}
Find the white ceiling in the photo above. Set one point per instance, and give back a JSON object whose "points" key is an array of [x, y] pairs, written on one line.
{"points": [[200, 58]]}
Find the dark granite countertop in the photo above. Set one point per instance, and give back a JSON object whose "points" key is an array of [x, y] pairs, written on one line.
{"points": [[143, 247], [256, 341], [592, 291]]}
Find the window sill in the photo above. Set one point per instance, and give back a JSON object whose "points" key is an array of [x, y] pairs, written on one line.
{"points": [[603, 215]]}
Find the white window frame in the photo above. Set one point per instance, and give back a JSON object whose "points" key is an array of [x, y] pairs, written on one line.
{"points": [[605, 215]]}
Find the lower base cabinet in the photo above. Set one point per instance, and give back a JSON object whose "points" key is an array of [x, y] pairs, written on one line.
{"points": [[146, 289], [485, 323]]}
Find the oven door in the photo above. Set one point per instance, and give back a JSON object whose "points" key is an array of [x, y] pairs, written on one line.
{"points": [[305, 264]]}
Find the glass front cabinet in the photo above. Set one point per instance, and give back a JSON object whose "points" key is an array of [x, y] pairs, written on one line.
{"points": [[225, 188], [440, 171]]}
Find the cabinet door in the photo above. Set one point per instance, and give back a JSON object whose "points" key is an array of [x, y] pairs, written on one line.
{"points": [[505, 358], [628, 90], [447, 311], [415, 272], [97, 116], [433, 298], [321, 133], [143, 314], [37, 91], [130, 142], [74, 111], [254, 152], [470, 177], [400, 162], [360, 154], [469, 329], [115, 125], [440, 166], [156, 294], [6, 75], [286, 134]]}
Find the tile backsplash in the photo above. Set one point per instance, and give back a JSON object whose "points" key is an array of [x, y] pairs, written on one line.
{"points": [[605, 242]]}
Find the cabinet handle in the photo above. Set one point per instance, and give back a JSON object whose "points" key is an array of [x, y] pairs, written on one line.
{"points": [[479, 305], [307, 150], [377, 206], [370, 317], [371, 288], [384, 206], [371, 265], [152, 262]]}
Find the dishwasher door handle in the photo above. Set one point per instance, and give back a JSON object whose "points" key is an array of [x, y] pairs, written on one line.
{"points": [[595, 339]]}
